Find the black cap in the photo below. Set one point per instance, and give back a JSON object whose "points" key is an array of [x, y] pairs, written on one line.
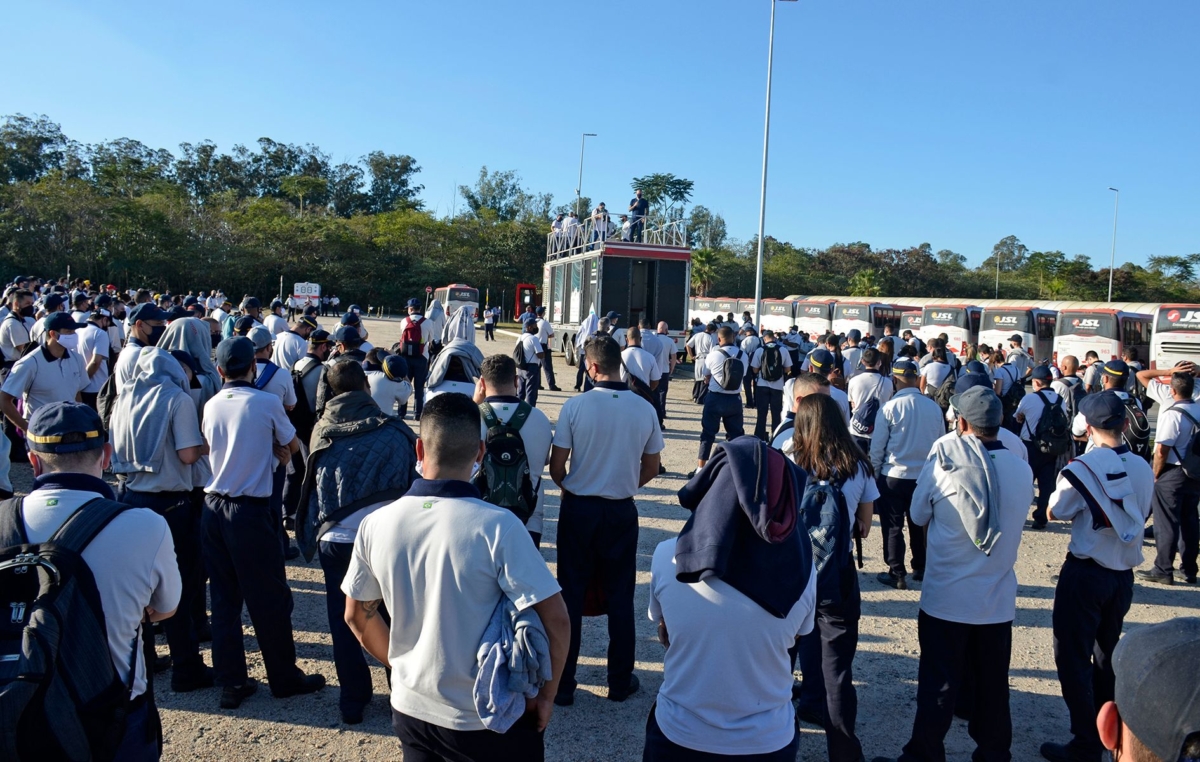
{"points": [[613, 315], [188, 301], [53, 302], [1042, 373], [395, 367], [821, 360], [319, 336], [103, 300], [1104, 410], [1156, 667], [980, 406], [307, 320], [243, 325], [971, 380], [1016, 338], [187, 359], [906, 368], [146, 311], [351, 318], [414, 303], [1116, 368], [60, 321], [235, 354], [178, 312], [276, 304], [51, 424], [252, 303]]}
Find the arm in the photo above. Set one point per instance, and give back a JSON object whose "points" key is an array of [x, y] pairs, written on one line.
{"points": [[863, 517], [879, 440], [189, 455], [158, 616], [926, 491], [1160, 459], [649, 469], [558, 464], [553, 613], [95, 363], [10, 411], [372, 632]]}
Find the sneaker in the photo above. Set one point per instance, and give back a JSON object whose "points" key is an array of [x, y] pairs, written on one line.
{"points": [[661, 469], [555, 389], [1155, 577], [691, 473], [1038, 524], [810, 717], [891, 580], [306, 684], [1055, 752], [1190, 579], [615, 694], [352, 716], [233, 696], [186, 684]]}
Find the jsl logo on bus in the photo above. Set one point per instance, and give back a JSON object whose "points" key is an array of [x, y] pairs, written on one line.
{"points": [[1086, 323], [941, 316], [1191, 316], [1004, 319]]}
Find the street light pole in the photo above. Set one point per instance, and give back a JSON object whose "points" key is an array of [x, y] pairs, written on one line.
{"points": [[579, 185], [997, 274], [762, 203], [1112, 260]]}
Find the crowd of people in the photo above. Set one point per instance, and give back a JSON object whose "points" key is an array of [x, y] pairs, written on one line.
{"points": [[240, 437], [568, 231]]}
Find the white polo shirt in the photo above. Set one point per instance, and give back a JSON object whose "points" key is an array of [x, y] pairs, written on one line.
{"points": [[607, 431], [785, 358], [1103, 545], [275, 324], [1032, 406], [1007, 374], [727, 680], [280, 384], [173, 475], [14, 331], [242, 425], [41, 379], [664, 348], [132, 561], [1174, 430], [440, 559], [388, 394], [93, 341], [544, 331], [537, 434], [869, 385], [289, 348], [714, 368], [640, 363], [530, 346]]}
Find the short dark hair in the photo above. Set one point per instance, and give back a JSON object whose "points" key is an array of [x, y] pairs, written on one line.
{"points": [[346, 375], [1183, 384], [988, 432], [603, 352], [724, 332], [870, 356], [499, 370], [19, 294], [71, 462], [531, 327], [450, 430]]}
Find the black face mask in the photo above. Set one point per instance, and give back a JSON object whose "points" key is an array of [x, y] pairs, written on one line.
{"points": [[156, 333], [216, 339], [27, 311]]}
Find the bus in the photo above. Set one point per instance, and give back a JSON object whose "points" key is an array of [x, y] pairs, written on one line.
{"points": [[1176, 335], [1107, 332], [868, 317], [912, 321], [703, 308], [960, 323], [456, 296], [814, 319], [1035, 326], [777, 315]]}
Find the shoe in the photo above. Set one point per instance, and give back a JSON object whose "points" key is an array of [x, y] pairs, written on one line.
{"points": [[565, 699], [232, 697], [197, 682], [810, 717], [306, 684], [1190, 579], [1038, 524], [661, 469], [1148, 532], [1055, 752], [555, 389], [576, 388], [352, 716], [918, 576], [691, 473], [620, 695], [162, 664], [289, 523], [891, 580], [291, 553], [1151, 575], [797, 688]]}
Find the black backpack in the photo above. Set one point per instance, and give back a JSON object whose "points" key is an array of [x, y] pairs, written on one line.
{"points": [[733, 370], [823, 511], [302, 416], [945, 390], [1189, 457], [106, 400], [640, 387], [60, 695], [1137, 436], [1052, 436], [772, 363], [1075, 394], [504, 479], [1012, 398]]}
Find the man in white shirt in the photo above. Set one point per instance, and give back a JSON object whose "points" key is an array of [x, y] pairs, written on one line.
{"points": [[274, 321], [698, 346], [132, 559], [905, 430], [611, 437], [497, 388], [1018, 356], [1094, 371], [852, 352], [969, 597], [617, 333], [722, 406], [797, 389], [94, 349], [869, 384], [544, 332], [489, 324], [1095, 586], [15, 327], [770, 365], [1029, 414], [248, 434], [416, 334], [292, 345], [666, 358], [529, 348], [439, 559], [54, 372], [1069, 386], [637, 361], [823, 363], [750, 343]]}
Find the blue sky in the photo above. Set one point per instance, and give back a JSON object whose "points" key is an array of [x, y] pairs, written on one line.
{"points": [[895, 123]]}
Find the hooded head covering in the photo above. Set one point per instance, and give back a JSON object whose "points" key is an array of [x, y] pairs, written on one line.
{"points": [[461, 326], [142, 413], [586, 330], [436, 315], [468, 354], [192, 336]]}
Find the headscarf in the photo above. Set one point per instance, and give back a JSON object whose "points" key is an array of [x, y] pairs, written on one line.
{"points": [[469, 355], [192, 336], [436, 315], [461, 326], [141, 415]]}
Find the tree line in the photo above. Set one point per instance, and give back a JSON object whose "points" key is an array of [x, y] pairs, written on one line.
{"points": [[122, 212]]}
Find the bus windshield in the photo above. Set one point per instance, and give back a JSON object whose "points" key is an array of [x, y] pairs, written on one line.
{"points": [[852, 312], [955, 316], [464, 295], [1178, 319], [1087, 324], [1009, 320]]}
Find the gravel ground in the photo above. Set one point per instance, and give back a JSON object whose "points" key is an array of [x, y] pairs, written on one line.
{"points": [[309, 727]]}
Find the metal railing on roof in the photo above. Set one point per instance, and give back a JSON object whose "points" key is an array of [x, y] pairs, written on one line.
{"points": [[578, 238]]}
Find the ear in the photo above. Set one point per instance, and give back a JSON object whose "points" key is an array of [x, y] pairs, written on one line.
{"points": [[420, 450], [36, 462], [1108, 725], [107, 459], [482, 451]]}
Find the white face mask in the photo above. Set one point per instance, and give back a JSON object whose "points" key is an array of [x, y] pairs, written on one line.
{"points": [[69, 341]]}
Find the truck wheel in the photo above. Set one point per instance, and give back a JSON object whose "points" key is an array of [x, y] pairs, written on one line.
{"points": [[569, 350]]}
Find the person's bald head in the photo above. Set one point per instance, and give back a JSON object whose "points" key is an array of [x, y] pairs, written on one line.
{"points": [[1069, 365], [725, 336], [662, 327], [633, 336]]}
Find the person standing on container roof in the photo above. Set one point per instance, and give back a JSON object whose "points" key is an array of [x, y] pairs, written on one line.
{"points": [[638, 208]]}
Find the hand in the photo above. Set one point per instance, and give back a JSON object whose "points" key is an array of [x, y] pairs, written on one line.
{"points": [[864, 528], [663, 636], [282, 454], [544, 706]]}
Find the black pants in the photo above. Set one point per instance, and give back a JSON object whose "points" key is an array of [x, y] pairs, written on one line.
{"points": [[720, 409], [580, 371], [768, 400], [418, 371], [1175, 515], [1045, 472], [89, 399], [184, 521], [240, 538], [527, 382], [425, 742], [749, 386], [548, 366], [349, 659], [949, 651], [597, 538], [200, 594], [895, 504], [637, 224], [827, 662], [489, 331], [664, 384], [294, 481], [1090, 604], [659, 748]]}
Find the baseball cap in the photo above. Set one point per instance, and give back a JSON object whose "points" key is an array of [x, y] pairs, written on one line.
{"points": [[1104, 410], [351, 318], [53, 302], [347, 334], [243, 325], [177, 313], [1016, 337], [275, 303], [146, 311], [906, 368], [261, 337], [188, 301], [251, 303], [854, 333], [60, 321], [971, 380], [307, 320], [355, 309], [540, 310], [319, 336], [197, 310], [1116, 368], [975, 366], [395, 367], [186, 358], [613, 315], [1156, 667], [821, 359], [51, 424], [979, 407], [103, 300], [414, 303], [235, 354], [1042, 373]]}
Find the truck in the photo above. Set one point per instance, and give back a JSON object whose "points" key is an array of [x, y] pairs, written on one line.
{"points": [[643, 279]]}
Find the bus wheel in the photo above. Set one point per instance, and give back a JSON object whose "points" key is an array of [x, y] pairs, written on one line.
{"points": [[569, 350]]}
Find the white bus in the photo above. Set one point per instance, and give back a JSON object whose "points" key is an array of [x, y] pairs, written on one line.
{"points": [[960, 323], [456, 296], [1108, 333], [777, 315], [814, 319], [1176, 335], [868, 317], [1034, 325]]}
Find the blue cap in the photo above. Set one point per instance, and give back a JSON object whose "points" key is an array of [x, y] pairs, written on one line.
{"points": [[51, 424], [613, 315], [1042, 373], [243, 325], [53, 302], [1155, 667], [1104, 410], [351, 318], [235, 355], [347, 334], [146, 311], [60, 321], [395, 367], [975, 366], [309, 321], [414, 303], [355, 309], [906, 368], [1116, 368], [980, 406], [276, 304], [188, 301], [821, 360], [178, 312], [539, 310], [854, 333], [252, 303], [319, 336], [971, 380]]}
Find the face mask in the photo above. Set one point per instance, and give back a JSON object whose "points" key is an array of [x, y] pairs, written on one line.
{"points": [[216, 339], [27, 311], [68, 341], [156, 333]]}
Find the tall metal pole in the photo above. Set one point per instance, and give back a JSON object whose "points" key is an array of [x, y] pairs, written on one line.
{"points": [[579, 184], [762, 202], [997, 274], [1112, 260]]}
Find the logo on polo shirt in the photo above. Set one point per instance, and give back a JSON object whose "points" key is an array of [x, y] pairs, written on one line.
{"points": [[427, 504], [52, 502]]}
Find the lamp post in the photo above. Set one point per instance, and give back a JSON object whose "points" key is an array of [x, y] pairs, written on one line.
{"points": [[762, 203], [579, 185], [1112, 260]]}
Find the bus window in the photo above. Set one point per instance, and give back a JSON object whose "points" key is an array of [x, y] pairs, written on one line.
{"points": [[1045, 327], [1133, 332], [1087, 324], [975, 316]]}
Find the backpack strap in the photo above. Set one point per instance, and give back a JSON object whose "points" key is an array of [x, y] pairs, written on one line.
{"points": [[268, 373], [78, 531], [520, 415], [489, 415], [12, 523], [1195, 427]]}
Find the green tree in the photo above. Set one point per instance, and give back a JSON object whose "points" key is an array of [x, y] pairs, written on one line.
{"points": [[667, 194], [301, 187], [392, 185], [498, 196]]}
